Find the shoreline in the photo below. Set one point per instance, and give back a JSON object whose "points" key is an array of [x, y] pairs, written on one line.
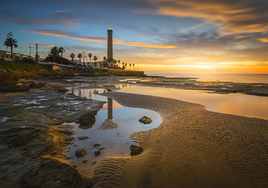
{"points": [[192, 147], [122, 172]]}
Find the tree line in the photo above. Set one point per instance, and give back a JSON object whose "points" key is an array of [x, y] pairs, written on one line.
{"points": [[56, 54]]}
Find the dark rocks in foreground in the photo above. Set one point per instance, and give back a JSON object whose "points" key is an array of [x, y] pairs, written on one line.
{"points": [[135, 150], [82, 137], [52, 173], [14, 89], [87, 119], [80, 152], [97, 153], [145, 120], [96, 144]]}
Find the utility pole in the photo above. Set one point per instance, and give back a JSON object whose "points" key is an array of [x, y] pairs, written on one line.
{"points": [[36, 55]]}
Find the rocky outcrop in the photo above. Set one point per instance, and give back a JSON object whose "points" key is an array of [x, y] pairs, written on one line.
{"points": [[80, 152], [145, 120], [52, 173], [135, 150]]}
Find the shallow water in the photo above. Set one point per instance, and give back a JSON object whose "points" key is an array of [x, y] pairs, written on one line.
{"points": [[239, 78], [116, 141], [233, 103], [127, 118]]}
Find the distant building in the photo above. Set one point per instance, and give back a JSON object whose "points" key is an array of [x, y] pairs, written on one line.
{"points": [[55, 66], [8, 56]]}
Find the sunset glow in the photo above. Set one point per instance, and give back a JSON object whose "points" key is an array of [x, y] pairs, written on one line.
{"points": [[188, 36]]}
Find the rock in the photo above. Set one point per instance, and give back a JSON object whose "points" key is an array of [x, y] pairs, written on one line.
{"points": [[135, 150], [108, 124], [85, 160], [102, 148], [127, 143], [145, 120], [61, 89], [68, 157], [97, 144], [95, 92], [94, 162], [52, 173], [118, 133], [88, 119], [80, 152], [14, 89], [82, 137], [97, 153]]}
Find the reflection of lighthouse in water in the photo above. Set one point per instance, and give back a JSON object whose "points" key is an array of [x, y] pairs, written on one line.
{"points": [[110, 108]]}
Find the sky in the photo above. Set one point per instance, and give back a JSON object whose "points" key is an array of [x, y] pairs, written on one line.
{"points": [[182, 36]]}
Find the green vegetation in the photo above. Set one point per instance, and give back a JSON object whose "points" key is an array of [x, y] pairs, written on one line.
{"points": [[55, 55], [13, 66], [79, 56], [10, 42], [95, 58], [72, 56], [90, 55]]}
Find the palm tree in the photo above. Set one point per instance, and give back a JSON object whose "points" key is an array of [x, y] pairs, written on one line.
{"points": [[79, 56], [10, 42], [104, 58], [95, 58], [133, 66], [61, 50], [130, 66], [72, 56], [90, 55], [118, 62], [54, 52]]}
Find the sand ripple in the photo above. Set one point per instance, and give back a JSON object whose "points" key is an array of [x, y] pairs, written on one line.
{"points": [[192, 147]]}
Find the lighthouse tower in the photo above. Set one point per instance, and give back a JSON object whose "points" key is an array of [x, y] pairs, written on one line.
{"points": [[110, 45]]}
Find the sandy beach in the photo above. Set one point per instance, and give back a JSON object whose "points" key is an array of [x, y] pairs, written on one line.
{"points": [[192, 147]]}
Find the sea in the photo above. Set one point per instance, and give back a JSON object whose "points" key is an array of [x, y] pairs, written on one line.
{"points": [[239, 78]]}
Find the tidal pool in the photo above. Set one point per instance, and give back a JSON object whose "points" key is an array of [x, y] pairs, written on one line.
{"points": [[115, 141]]}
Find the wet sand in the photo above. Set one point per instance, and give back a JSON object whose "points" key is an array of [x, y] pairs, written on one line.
{"points": [[192, 147]]}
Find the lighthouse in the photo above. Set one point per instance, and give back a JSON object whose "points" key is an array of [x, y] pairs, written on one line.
{"points": [[110, 45]]}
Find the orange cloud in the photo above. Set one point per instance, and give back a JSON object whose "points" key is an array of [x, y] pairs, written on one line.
{"points": [[59, 33], [231, 18], [91, 39], [56, 33], [262, 39], [240, 37], [41, 45]]}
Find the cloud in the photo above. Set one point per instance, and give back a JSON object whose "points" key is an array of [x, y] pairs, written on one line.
{"points": [[240, 37], [41, 45], [67, 17], [231, 17], [262, 39], [59, 33]]}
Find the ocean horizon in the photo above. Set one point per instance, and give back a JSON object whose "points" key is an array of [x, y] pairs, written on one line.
{"points": [[239, 78]]}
